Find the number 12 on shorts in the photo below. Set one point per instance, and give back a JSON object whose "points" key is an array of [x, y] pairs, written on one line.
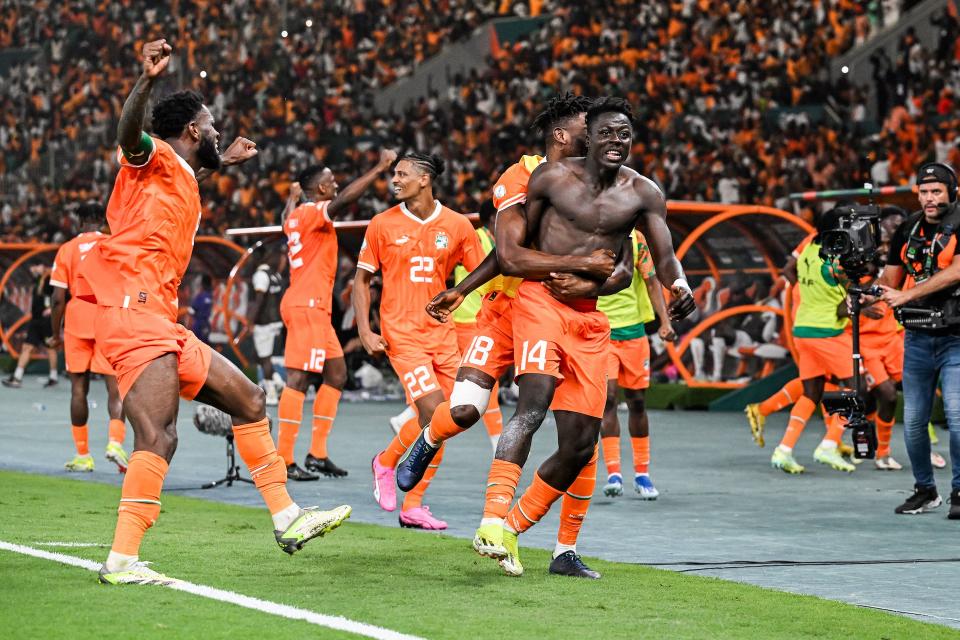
{"points": [[537, 354]]}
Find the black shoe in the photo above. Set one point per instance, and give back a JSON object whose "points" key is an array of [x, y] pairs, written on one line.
{"points": [[296, 473], [954, 504], [569, 563], [11, 382], [50, 383], [411, 469], [324, 466], [923, 499]]}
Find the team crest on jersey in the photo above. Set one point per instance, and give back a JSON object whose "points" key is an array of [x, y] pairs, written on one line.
{"points": [[403, 239], [293, 222], [442, 241], [500, 191], [86, 246]]}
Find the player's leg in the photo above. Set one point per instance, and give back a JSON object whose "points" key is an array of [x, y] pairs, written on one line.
{"points": [[801, 412], [15, 381], [757, 413], [610, 439], [300, 358], [836, 357], [226, 388], [334, 370], [79, 414], [639, 426], [53, 377], [117, 430]]}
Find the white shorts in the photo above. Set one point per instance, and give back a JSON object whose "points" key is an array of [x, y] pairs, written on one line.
{"points": [[264, 336]]}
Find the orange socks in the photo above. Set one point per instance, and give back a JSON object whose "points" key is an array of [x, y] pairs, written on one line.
{"points": [[80, 435], [269, 474], [532, 505], [783, 398], [835, 427], [289, 413], [117, 431], [884, 433], [324, 412], [576, 501], [501, 487], [641, 454], [139, 501], [442, 427], [611, 453], [414, 497], [799, 415], [400, 443]]}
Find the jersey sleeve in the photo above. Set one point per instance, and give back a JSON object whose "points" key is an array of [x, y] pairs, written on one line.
{"points": [[510, 189], [369, 257], [60, 274], [261, 281]]}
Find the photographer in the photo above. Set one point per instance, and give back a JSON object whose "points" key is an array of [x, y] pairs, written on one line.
{"points": [[923, 260]]}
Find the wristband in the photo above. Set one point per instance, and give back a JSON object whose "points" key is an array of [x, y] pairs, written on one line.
{"points": [[682, 283]]}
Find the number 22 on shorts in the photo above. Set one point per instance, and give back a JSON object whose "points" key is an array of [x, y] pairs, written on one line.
{"points": [[418, 382], [537, 354]]}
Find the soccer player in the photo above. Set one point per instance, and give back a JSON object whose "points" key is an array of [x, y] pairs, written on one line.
{"points": [[38, 330], [628, 368], [312, 348], [491, 351], [416, 246], [74, 330], [264, 316], [133, 276]]}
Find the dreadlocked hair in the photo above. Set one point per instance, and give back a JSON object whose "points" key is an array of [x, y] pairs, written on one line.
{"points": [[173, 112], [428, 163], [559, 109], [609, 104]]}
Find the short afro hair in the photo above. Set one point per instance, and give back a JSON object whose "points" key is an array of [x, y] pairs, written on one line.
{"points": [[558, 110], [431, 164], [308, 177], [608, 104], [173, 112]]}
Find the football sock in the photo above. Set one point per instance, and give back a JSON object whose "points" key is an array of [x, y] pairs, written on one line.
{"points": [[835, 426], [532, 505], [269, 474], [611, 453], [117, 431], [289, 415], [442, 427], [414, 497], [783, 398], [799, 415], [576, 501], [501, 487], [641, 454], [139, 501], [400, 443], [80, 435], [324, 413], [884, 433]]}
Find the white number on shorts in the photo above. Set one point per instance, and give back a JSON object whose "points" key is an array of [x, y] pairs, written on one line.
{"points": [[421, 265], [418, 382], [479, 350], [294, 246], [317, 358], [536, 354]]}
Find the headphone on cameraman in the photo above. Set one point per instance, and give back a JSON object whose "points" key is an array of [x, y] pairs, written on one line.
{"points": [[930, 168]]}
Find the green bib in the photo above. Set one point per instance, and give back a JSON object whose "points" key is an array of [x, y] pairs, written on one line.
{"points": [[467, 312], [628, 310], [820, 295]]}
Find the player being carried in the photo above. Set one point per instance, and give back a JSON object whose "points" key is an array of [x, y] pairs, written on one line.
{"points": [[75, 330], [313, 352], [416, 246], [133, 276]]}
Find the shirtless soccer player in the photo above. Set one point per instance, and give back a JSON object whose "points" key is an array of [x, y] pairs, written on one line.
{"points": [[74, 330], [133, 276], [416, 245], [574, 207], [490, 350], [312, 348]]}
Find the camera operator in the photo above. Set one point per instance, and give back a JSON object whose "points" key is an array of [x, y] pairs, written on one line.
{"points": [[924, 261]]}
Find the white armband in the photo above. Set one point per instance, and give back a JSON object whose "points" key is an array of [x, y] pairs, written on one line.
{"points": [[680, 282]]}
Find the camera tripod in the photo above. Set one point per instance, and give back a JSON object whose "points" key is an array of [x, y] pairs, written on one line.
{"points": [[852, 404], [233, 469]]}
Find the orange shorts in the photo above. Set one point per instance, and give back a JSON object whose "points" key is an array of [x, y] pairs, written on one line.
{"points": [[82, 355], [628, 362], [556, 339], [423, 371], [130, 340], [488, 345], [829, 357], [882, 357], [311, 339]]}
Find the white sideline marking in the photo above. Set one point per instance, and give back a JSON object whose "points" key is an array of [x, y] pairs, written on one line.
{"points": [[274, 608], [71, 544]]}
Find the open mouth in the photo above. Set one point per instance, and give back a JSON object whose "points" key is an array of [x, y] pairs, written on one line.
{"points": [[614, 155], [397, 189]]}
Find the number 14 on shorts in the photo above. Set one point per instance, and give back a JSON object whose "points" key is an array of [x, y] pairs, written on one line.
{"points": [[536, 354]]}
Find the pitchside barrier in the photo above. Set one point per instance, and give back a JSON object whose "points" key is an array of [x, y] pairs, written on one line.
{"points": [[725, 249]]}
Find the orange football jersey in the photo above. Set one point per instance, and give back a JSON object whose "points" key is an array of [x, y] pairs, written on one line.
{"points": [[312, 255], [154, 213], [416, 257], [80, 316]]}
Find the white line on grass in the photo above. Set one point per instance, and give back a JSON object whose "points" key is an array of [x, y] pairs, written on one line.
{"points": [[74, 545], [274, 608]]}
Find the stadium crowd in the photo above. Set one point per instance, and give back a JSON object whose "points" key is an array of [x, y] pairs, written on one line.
{"points": [[301, 82]]}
